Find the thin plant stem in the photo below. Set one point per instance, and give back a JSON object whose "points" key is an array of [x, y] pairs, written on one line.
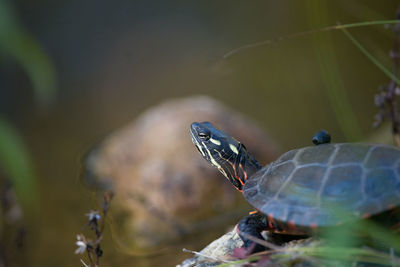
{"points": [[395, 81], [370, 57], [294, 35]]}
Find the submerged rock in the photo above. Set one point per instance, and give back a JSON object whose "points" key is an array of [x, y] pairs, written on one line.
{"points": [[164, 189]]}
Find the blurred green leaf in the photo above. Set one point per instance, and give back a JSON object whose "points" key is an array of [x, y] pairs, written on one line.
{"points": [[16, 163], [348, 254], [18, 44], [327, 58]]}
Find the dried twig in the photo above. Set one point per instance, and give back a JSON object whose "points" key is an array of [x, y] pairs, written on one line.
{"points": [[96, 224], [206, 256]]}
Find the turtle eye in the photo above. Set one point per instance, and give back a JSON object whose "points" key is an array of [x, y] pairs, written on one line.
{"points": [[204, 136]]}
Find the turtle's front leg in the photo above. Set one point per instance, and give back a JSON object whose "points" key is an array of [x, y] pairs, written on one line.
{"points": [[253, 225]]}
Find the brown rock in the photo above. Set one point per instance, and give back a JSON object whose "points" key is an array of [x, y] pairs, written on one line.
{"points": [[164, 188], [221, 251]]}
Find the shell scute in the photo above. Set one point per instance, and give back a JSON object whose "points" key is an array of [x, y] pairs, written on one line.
{"points": [[322, 152], [398, 169], [279, 172], [309, 177], [379, 182], [287, 156], [343, 184], [351, 153], [304, 186], [382, 157], [277, 209], [368, 206]]}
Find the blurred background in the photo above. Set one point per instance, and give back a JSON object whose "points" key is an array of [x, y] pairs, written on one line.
{"points": [[72, 72]]}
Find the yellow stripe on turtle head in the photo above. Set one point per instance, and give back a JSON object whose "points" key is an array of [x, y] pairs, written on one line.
{"points": [[215, 141], [215, 163], [234, 149]]}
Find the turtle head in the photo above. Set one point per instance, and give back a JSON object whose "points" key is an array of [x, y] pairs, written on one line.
{"points": [[224, 152]]}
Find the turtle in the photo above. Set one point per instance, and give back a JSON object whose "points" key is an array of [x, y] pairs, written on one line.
{"points": [[305, 189]]}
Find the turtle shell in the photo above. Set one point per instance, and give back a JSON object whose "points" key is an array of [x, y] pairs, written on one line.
{"points": [[322, 185]]}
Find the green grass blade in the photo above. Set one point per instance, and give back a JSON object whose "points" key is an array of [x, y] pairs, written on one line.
{"points": [[347, 254], [18, 44], [361, 24], [370, 57], [16, 164], [330, 72]]}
